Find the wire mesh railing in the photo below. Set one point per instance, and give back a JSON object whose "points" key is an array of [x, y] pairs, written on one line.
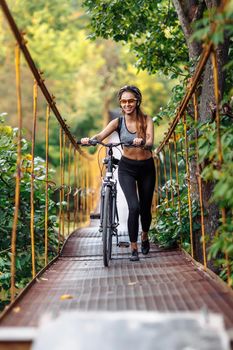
{"points": [[47, 206]]}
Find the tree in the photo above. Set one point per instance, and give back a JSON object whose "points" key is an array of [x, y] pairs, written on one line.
{"points": [[190, 11], [84, 75], [151, 28]]}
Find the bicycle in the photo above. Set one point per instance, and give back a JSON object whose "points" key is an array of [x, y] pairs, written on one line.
{"points": [[109, 219]]}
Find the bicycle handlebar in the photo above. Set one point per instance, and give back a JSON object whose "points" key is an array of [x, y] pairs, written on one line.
{"points": [[96, 142]]}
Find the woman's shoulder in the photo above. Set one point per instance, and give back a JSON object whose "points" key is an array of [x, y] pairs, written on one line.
{"points": [[115, 123]]}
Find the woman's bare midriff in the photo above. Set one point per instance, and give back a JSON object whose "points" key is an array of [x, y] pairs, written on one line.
{"points": [[137, 153]]}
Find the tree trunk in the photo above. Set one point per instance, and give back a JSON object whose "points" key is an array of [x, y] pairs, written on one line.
{"points": [[188, 12]]}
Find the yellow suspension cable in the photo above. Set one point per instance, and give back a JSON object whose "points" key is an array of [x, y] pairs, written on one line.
{"points": [[182, 150], [216, 94], [95, 182], [199, 181], [18, 172], [63, 184], [177, 176], [156, 193], [85, 191], [32, 233], [81, 198], [170, 172], [68, 195], [60, 190], [165, 174], [46, 185], [78, 192], [159, 179], [219, 146], [88, 190], [188, 182], [75, 196], [90, 171]]}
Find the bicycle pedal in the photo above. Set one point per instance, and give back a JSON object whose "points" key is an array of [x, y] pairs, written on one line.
{"points": [[123, 244]]}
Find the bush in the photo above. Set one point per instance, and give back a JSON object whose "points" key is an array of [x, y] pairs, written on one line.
{"points": [[168, 230], [8, 157]]}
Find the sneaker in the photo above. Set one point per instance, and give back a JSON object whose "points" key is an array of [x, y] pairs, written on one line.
{"points": [[145, 247], [134, 255]]}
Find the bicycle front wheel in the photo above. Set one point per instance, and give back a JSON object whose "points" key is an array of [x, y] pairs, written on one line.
{"points": [[107, 227]]}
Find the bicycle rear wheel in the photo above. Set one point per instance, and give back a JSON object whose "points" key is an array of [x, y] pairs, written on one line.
{"points": [[107, 227]]}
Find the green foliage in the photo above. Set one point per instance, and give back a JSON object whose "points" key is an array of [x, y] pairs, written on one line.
{"points": [[8, 156], [207, 141], [169, 230], [170, 109], [208, 152], [221, 175], [84, 75], [158, 43], [214, 170], [216, 27], [155, 36], [213, 25], [221, 250]]}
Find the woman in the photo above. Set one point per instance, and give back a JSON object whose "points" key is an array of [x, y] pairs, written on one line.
{"points": [[136, 170]]}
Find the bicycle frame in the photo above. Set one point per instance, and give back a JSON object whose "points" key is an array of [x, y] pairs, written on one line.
{"points": [[110, 182]]}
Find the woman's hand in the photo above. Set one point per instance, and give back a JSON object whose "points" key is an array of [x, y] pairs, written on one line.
{"points": [[138, 141], [85, 141]]}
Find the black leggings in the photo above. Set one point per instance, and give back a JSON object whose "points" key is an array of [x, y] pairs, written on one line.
{"points": [[137, 180]]}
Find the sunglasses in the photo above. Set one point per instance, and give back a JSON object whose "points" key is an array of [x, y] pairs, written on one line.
{"points": [[130, 101]]}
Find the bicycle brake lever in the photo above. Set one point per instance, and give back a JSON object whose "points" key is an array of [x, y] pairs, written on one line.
{"points": [[132, 144], [93, 142]]}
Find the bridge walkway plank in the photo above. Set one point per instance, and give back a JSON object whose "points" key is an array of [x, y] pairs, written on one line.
{"points": [[161, 281]]}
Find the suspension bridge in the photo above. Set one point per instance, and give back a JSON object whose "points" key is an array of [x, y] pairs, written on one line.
{"points": [[166, 282]]}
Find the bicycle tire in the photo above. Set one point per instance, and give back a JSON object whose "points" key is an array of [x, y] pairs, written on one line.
{"points": [[114, 216], [107, 227]]}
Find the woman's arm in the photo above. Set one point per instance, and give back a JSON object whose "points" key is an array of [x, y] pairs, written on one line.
{"points": [[112, 126], [149, 132]]}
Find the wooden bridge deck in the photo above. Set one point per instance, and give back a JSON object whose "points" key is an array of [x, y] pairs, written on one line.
{"points": [[162, 281]]}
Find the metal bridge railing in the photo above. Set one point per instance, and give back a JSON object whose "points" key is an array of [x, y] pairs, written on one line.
{"points": [[78, 181], [178, 154]]}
